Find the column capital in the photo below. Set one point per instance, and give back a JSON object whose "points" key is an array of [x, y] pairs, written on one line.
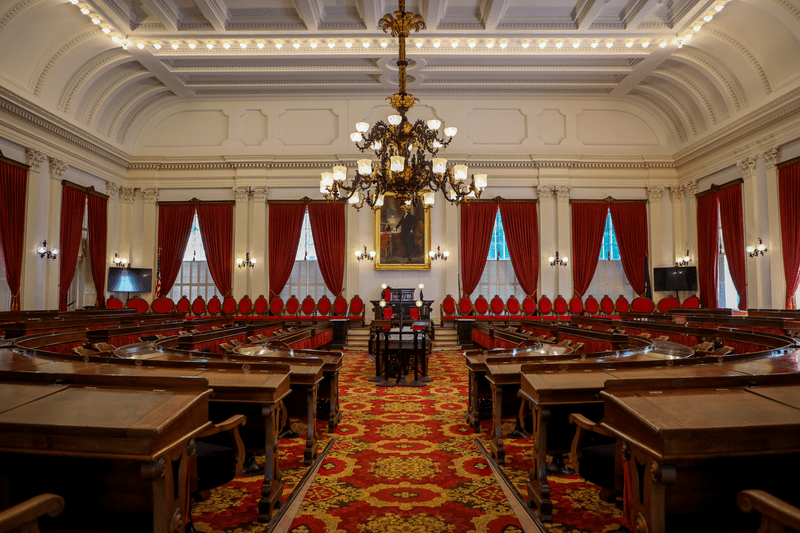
{"points": [[562, 191], [241, 193], [654, 193], [35, 158], [112, 189], [150, 195], [677, 193], [545, 192], [260, 194], [691, 188], [57, 168], [771, 157], [748, 167], [126, 195]]}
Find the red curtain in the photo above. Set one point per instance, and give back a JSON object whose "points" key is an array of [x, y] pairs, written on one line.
{"points": [[588, 224], [285, 223], [216, 230], [732, 219], [98, 222], [520, 224], [630, 227], [174, 227], [477, 224], [707, 249], [13, 185], [327, 228], [73, 202], [789, 198]]}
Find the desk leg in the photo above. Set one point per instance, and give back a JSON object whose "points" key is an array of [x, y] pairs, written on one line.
{"points": [[497, 431], [538, 486], [170, 479], [335, 415], [311, 440], [473, 417], [519, 427], [272, 488], [647, 489]]}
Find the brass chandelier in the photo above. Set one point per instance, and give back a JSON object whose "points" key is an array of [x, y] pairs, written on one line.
{"points": [[407, 164]]}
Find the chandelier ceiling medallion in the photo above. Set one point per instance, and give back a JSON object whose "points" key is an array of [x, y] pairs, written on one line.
{"points": [[407, 164]]}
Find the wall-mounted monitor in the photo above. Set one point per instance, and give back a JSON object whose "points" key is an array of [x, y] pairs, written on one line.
{"points": [[130, 279], [675, 279]]}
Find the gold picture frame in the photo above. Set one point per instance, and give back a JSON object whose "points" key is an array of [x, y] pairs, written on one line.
{"points": [[402, 243]]}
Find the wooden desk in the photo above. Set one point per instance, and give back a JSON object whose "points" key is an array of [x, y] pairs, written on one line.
{"points": [[94, 444], [668, 441]]}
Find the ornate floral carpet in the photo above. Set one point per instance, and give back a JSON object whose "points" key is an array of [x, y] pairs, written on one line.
{"points": [[404, 462]]}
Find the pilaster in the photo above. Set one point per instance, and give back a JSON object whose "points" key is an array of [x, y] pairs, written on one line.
{"points": [[258, 243], [654, 195], [112, 225], [125, 207], [240, 241], [34, 269], [149, 251], [564, 242], [677, 196], [547, 246], [452, 241], [691, 210], [57, 169], [756, 294], [775, 242]]}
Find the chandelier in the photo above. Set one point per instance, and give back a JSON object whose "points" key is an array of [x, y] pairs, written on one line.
{"points": [[407, 165]]}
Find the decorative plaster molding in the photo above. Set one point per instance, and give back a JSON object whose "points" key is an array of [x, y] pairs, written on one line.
{"points": [[150, 195], [35, 158], [748, 167], [112, 189], [126, 195], [98, 101], [691, 188], [717, 74], [545, 192], [53, 60], [110, 58], [654, 193], [260, 194], [770, 157], [562, 191], [57, 168], [241, 194], [745, 52], [676, 125], [671, 98], [693, 87], [677, 193], [125, 130]]}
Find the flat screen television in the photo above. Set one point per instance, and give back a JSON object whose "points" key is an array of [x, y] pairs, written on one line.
{"points": [[675, 279], [130, 279]]}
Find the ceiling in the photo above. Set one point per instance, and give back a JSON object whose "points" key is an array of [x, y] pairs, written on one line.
{"points": [[142, 53]]}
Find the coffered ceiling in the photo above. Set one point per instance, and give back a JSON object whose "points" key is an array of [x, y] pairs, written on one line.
{"points": [[696, 74]]}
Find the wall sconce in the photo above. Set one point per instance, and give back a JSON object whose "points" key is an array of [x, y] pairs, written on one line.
{"points": [[120, 262], [556, 261], [683, 261], [439, 254], [364, 255], [755, 251], [44, 252], [246, 262]]}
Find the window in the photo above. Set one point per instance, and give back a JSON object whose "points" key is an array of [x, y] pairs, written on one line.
{"points": [[306, 278], [82, 291], [194, 279], [726, 291], [5, 291], [609, 278], [498, 277]]}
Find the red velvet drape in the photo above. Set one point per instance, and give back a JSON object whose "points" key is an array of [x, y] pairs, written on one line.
{"points": [[327, 227], [477, 223], [707, 249], [98, 238], [630, 227], [13, 185], [789, 199], [285, 224], [73, 203], [588, 224], [174, 227], [216, 230], [732, 219], [520, 224]]}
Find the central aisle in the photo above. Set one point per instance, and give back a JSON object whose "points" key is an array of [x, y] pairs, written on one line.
{"points": [[404, 460]]}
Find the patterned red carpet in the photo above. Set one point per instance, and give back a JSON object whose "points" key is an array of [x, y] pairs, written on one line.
{"points": [[404, 462]]}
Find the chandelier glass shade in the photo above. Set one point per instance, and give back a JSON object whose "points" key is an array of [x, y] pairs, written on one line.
{"points": [[407, 163]]}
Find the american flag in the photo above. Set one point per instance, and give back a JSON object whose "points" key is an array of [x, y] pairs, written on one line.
{"points": [[158, 274]]}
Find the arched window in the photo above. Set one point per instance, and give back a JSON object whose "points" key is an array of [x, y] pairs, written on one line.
{"points": [[727, 296], [609, 278], [498, 276], [194, 278], [82, 291], [306, 278]]}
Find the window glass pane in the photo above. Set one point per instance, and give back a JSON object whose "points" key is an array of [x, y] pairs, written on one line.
{"points": [[498, 276], [609, 278], [727, 296], [194, 278], [306, 278]]}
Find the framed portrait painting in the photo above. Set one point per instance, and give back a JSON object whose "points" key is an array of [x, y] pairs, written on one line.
{"points": [[402, 240]]}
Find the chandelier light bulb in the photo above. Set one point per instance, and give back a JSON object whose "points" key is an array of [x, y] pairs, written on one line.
{"points": [[398, 163], [609, 44], [437, 144], [434, 124], [192, 46], [156, 46], [365, 44], [503, 44], [278, 45], [339, 173], [472, 44], [313, 44], [439, 165], [697, 26], [687, 37], [331, 44], [260, 46], [376, 145], [379, 201], [489, 44], [480, 181], [708, 16], [428, 198], [525, 44], [362, 127], [394, 120], [364, 167], [354, 199], [719, 6], [210, 46], [471, 196], [243, 45], [460, 172], [576, 44], [358, 254], [593, 44], [559, 44], [645, 44], [451, 131], [418, 43], [239, 260], [356, 137], [174, 46], [384, 44], [226, 46], [95, 20], [85, 10], [140, 46], [348, 44], [542, 44], [629, 44], [454, 44], [327, 179], [437, 44], [296, 45], [106, 30]]}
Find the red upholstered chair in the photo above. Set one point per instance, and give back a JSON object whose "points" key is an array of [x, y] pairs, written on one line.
{"points": [[276, 307], [414, 312], [183, 306], [622, 304], [498, 309], [260, 306], [670, 302], [590, 306], [323, 309], [245, 306], [513, 309], [560, 307], [447, 311], [137, 303], [339, 307], [214, 306], [198, 306], [162, 305], [575, 305], [388, 314], [114, 303], [545, 306], [607, 305], [529, 306], [307, 309], [292, 308], [387, 294], [692, 302], [465, 307], [641, 304], [482, 308], [228, 306], [356, 312]]}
